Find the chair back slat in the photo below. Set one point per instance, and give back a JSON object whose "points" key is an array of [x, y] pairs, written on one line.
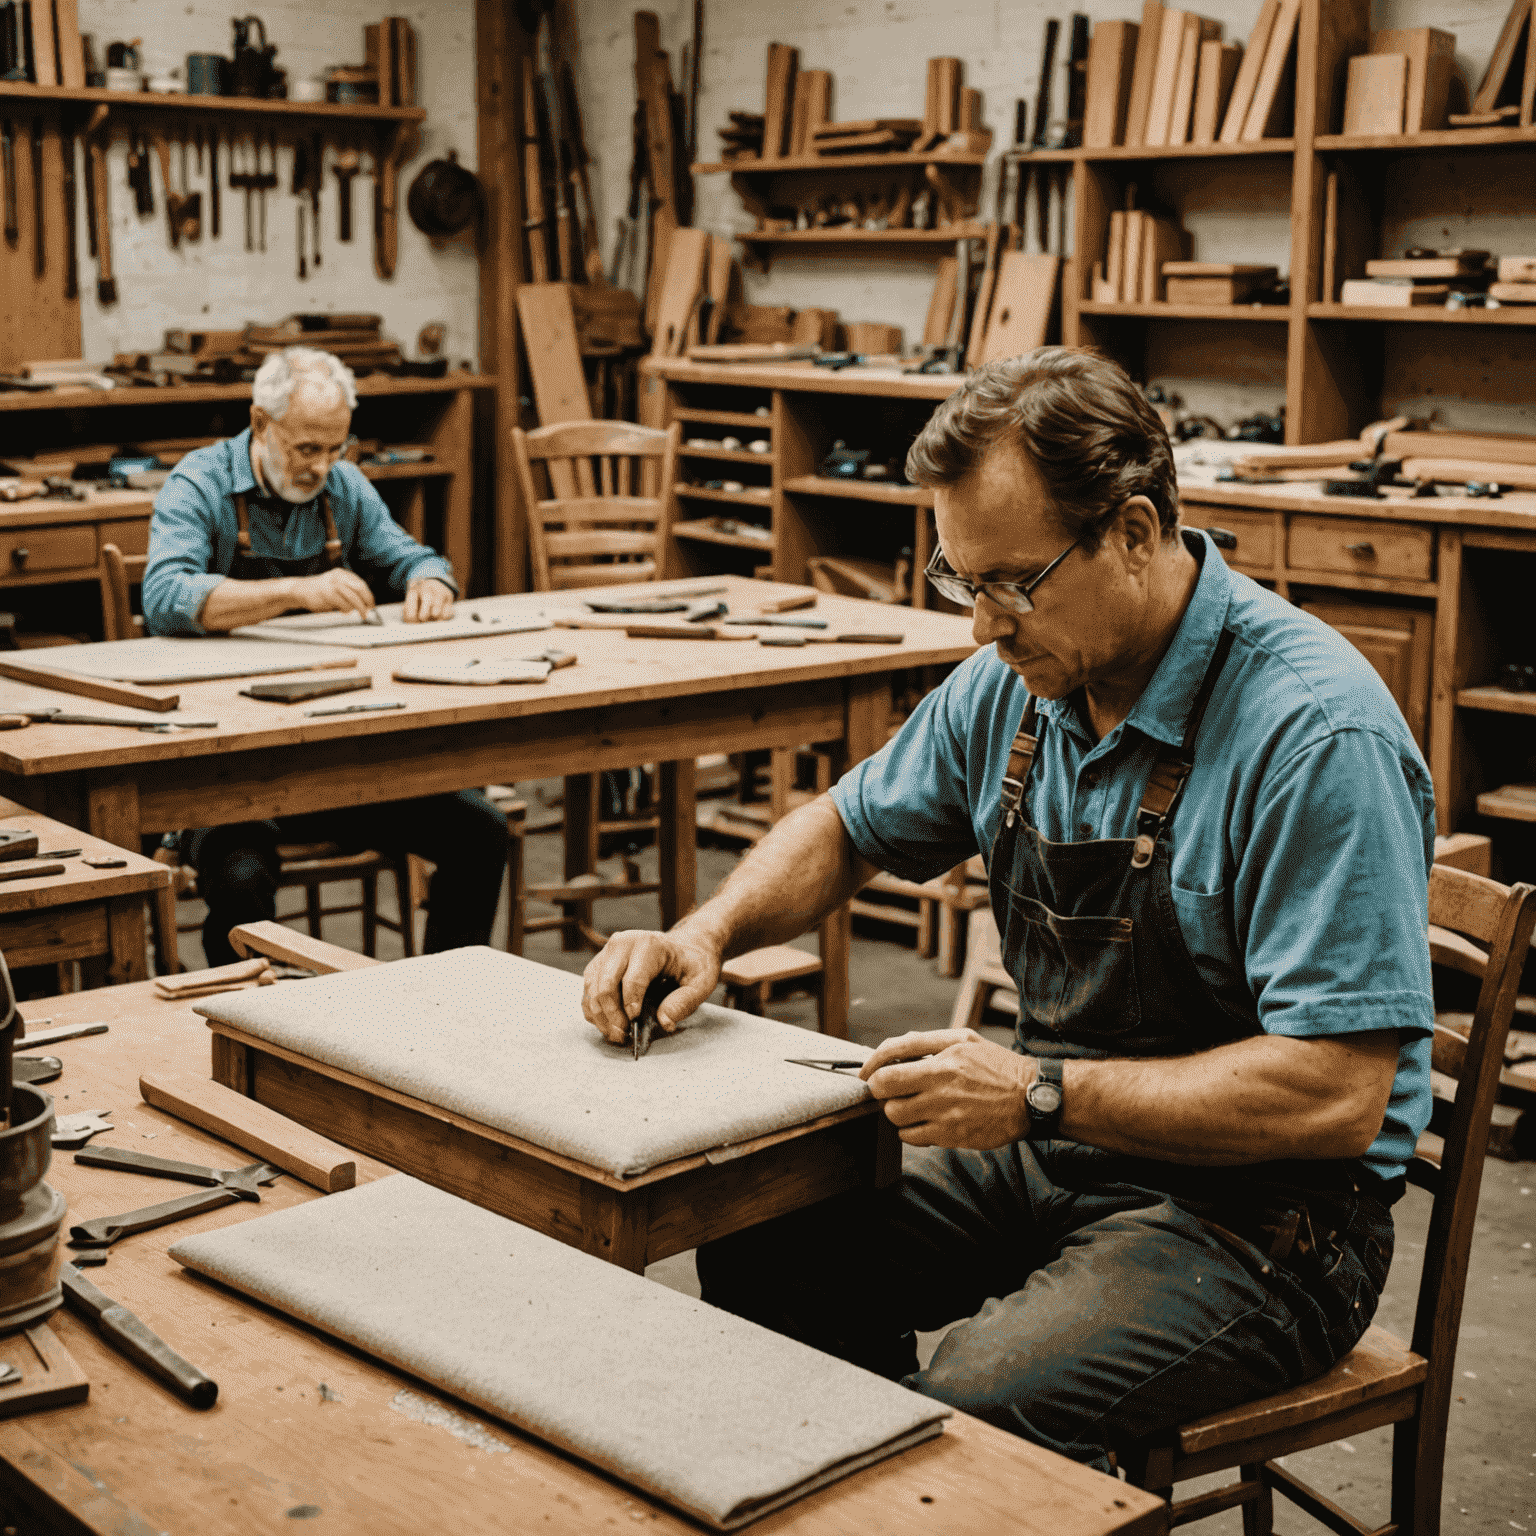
{"points": [[594, 530], [1502, 918], [119, 572]]}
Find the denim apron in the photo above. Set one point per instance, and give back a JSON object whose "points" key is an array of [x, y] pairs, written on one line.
{"points": [[249, 567]]}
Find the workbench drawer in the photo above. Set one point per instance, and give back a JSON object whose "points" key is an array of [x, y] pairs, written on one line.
{"points": [[132, 537], [1365, 547], [1254, 532], [46, 549]]}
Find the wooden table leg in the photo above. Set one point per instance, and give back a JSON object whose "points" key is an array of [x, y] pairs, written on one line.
{"points": [[113, 814], [614, 1226], [452, 443], [678, 851], [867, 716], [581, 816]]}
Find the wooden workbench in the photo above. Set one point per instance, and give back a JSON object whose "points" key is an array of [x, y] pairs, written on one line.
{"points": [[362, 1456], [625, 703], [83, 914]]}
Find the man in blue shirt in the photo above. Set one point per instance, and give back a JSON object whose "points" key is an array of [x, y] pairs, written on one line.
{"points": [[275, 520], [1208, 833]]}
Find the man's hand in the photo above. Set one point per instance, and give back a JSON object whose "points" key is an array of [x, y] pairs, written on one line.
{"points": [[618, 975], [428, 599], [951, 1088], [335, 591]]}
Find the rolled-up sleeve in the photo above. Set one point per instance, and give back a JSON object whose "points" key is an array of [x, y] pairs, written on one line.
{"points": [[907, 809], [180, 573], [1332, 897], [382, 545]]}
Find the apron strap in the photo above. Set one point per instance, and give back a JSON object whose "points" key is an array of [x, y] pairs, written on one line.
{"points": [[242, 524], [332, 538], [1166, 781], [1021, 755]]}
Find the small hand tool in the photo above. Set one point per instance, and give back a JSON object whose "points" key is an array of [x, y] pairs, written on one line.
{"points": [[674, 602], [106, 863], [266, 180], [646, 1024], [71, 251], [62, 853], [41, 1037], [139, 176], [842, 639], [106, 1230], [242, 1181], [315, 180], [344, 169], [35, 1069], [821, 1063], [356, 709], [18, 845], [39, 251], [705, 608], [780, 619], [126, 1334], [214, 206], [75, 1130], [8, 170], [29, 871]]}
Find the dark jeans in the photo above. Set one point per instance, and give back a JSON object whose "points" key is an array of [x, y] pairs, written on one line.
{"points": [[464, 835], [1101, 1307]]}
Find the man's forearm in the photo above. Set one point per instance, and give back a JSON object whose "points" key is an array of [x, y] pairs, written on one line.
{"points": [[1255, 1100], [803, 869], [233, 603]]}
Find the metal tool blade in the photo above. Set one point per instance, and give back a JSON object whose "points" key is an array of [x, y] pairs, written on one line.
{"points": [[103, 1231], [646, 1025], [821, 1064], [75, 1130], [242, 1181]]}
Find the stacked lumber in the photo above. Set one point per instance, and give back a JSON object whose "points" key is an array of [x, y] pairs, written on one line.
{"points": [[742, 137], [1401, 84], [357, 339], [1216, 282], [1140, 245], [867, 136], [1417, 278]]}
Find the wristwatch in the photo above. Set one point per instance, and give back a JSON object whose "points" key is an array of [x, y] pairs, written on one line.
{"points": [[1044, 1097]]}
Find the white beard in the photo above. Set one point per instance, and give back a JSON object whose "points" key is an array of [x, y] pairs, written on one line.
{"points": [[277, 482]]}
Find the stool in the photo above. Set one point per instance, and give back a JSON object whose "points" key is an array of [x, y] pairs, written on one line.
{"points": [[984, 972], [312, 865], [750, 979]]}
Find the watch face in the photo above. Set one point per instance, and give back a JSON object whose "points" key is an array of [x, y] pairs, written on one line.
{"points": [[1045, 1097]]}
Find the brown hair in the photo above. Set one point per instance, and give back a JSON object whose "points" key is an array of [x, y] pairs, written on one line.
{"points": [[1083, 423]]}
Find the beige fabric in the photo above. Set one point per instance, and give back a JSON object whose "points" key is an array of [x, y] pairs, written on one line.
{"points": [[502, 1041], [716, 1416], [186, 659]]}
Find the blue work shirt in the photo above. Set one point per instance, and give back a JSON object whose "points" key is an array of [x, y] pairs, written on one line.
{"points": [[192, 534], [1301, 846]]}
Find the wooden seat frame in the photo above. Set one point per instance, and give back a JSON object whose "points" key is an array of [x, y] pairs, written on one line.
{"points": [[1382, 1381]]}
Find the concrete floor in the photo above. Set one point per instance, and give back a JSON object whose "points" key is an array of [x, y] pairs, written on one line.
{"points": [[1490, 1466]]}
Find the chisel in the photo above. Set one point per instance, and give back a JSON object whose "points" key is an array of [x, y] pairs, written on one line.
{"points": [[71, 252], [8, 170], [130, 1337], [106, 284]]}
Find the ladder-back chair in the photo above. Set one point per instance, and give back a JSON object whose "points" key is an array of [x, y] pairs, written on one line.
{"points": [[607, 516], [1483, 929]]}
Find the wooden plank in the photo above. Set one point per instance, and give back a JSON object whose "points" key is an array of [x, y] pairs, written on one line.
{"points": [[71, 57], [1491, 87], [687, 252], [984, 294], [1248, 73], [1184, 82], [1148, 37], [1021, 306], [554, 353], [54, 935], [88, 687], [1375, 95], [1430, 54], [1219, 63], [778, 99], [941, 304], [252, 1127], [1165, 80], [813, 106], [1270, 109], [1111, 66]]}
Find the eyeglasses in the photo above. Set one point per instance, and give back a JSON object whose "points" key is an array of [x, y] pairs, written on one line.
{"points": [[1012, 595], [312, 451]]}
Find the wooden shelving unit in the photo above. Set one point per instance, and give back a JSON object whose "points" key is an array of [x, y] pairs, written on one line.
{"points": [[1161, 311], [1426, 314], [708, 535], [727, 455], [847, 235], [834, 163], [207, 106], [1266, 147], [761, 499], [860, 490]]}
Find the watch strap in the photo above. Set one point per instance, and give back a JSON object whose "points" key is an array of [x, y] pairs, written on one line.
{"points": [[1044, 1115]]}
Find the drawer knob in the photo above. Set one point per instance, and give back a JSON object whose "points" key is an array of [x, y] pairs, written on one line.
{"points": [[20, 556], [1361, 551]]}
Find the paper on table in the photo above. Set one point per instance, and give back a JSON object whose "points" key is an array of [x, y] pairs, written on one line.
{"points": [[502, 1041], [474, 671], [716, 1416], [176, 659], [357, 635]]}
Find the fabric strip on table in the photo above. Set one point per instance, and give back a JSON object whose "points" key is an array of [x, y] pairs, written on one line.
{"points": [[715, 1416], [188, 659], [372, 636], [502, 1041]]}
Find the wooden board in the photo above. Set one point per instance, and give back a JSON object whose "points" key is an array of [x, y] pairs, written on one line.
{"points": [[1513, 293], [813, 106], [1184, 83], [1219, 63], [1165, 80], [163, 659], [1114, 256], [984, 296], [1375, 94], [779, 96], [71, 58], [941, 304], [1209, 290], [1491, 88], [554, 352], [687, 252], [103, 692], [1111, 65], [1021, 305], [1248, 73], [1430, 54], [1364, 290], [1164, 242], [1272, 104], [1148, 37], [1477, 446], [1422, 268]]}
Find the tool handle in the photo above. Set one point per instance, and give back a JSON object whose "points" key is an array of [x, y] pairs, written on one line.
{"points": [[142, 1162], [131, 1337], [108, 1229]]}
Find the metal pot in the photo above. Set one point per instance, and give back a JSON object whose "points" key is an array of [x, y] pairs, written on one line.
{"points": [[445, 198]]}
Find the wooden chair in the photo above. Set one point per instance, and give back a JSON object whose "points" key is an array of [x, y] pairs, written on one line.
{"points": [[311, 866], [1483, 929], [984, 972], [119, 573], [607, 521], [750, 979]]}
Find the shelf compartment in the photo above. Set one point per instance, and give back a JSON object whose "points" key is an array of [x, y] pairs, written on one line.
{"points": [[705, 534], [1497, 700], [1157, 152], [182, 101], [1440, 138], [1271, 313], [730, 455], [1428, 314], [731, 498], [724, 418], [1508, 803], [847, 236], [428, 471], [834, 162], [861, 490]]}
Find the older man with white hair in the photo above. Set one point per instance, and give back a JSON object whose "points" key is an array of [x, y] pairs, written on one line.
{"points": [[272, 521]]}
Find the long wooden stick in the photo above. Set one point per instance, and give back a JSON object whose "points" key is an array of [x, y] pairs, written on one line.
{"points": [[89, 687], [533, 181]]}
